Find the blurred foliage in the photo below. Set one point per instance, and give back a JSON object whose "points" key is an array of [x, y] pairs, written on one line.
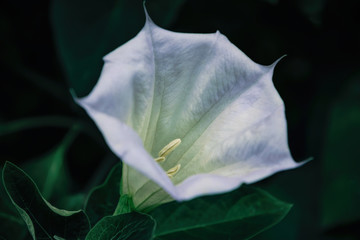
{"points": [[49, 171], [341, 158], [49, 47]]}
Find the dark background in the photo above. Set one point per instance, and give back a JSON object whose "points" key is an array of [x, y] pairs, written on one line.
{"points": [[48, 47]]}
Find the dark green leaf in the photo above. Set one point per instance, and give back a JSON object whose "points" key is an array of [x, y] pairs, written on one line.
{"points": [[12, 226], [237, 215], [103, 199], [44, 221], [86, 30], [129, 226]]}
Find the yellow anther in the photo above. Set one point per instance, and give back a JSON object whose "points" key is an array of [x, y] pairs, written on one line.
{"points": [[160, 159], [169, 148], [172, 171]]}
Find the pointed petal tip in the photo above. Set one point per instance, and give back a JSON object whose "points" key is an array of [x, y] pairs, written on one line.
{"points": [[147, 17], [305, 161], [75, 97], [73, 93], [272, 66], [78, 100]]}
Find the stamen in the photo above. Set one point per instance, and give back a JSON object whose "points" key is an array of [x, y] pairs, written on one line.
{"points": [[169, 148], [172, 171], [160, 159]]}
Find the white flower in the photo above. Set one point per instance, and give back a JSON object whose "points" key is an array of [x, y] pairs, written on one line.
{"points": [[198, 88]]}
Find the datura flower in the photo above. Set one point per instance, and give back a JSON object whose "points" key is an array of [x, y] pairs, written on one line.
{"points": [[189, 115]]}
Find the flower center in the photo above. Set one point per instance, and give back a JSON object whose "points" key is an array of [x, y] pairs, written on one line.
{"points": [[165, 151]]}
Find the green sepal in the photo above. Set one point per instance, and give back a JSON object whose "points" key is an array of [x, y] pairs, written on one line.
{"points": [[125, 205]]}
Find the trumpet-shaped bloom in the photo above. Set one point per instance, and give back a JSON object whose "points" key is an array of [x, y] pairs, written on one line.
{"points": [[189, 115]]}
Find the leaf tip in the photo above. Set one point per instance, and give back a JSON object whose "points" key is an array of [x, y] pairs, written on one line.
{"points": [[8, 165], [147, 16]]}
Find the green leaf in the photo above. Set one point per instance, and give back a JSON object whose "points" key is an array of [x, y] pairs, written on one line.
{"points": [[50, 172], [103, 199], [86, 30], [44, 221], [71, 202], [12, 226], [237, 215], [129, 226]]}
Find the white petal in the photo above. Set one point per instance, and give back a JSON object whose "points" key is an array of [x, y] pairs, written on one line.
{"points": [[200, 88], [119, 104]]}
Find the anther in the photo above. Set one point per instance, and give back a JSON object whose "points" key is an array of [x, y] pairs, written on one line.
{"points": [[169, 148], [172, 171], [160, 159]]}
